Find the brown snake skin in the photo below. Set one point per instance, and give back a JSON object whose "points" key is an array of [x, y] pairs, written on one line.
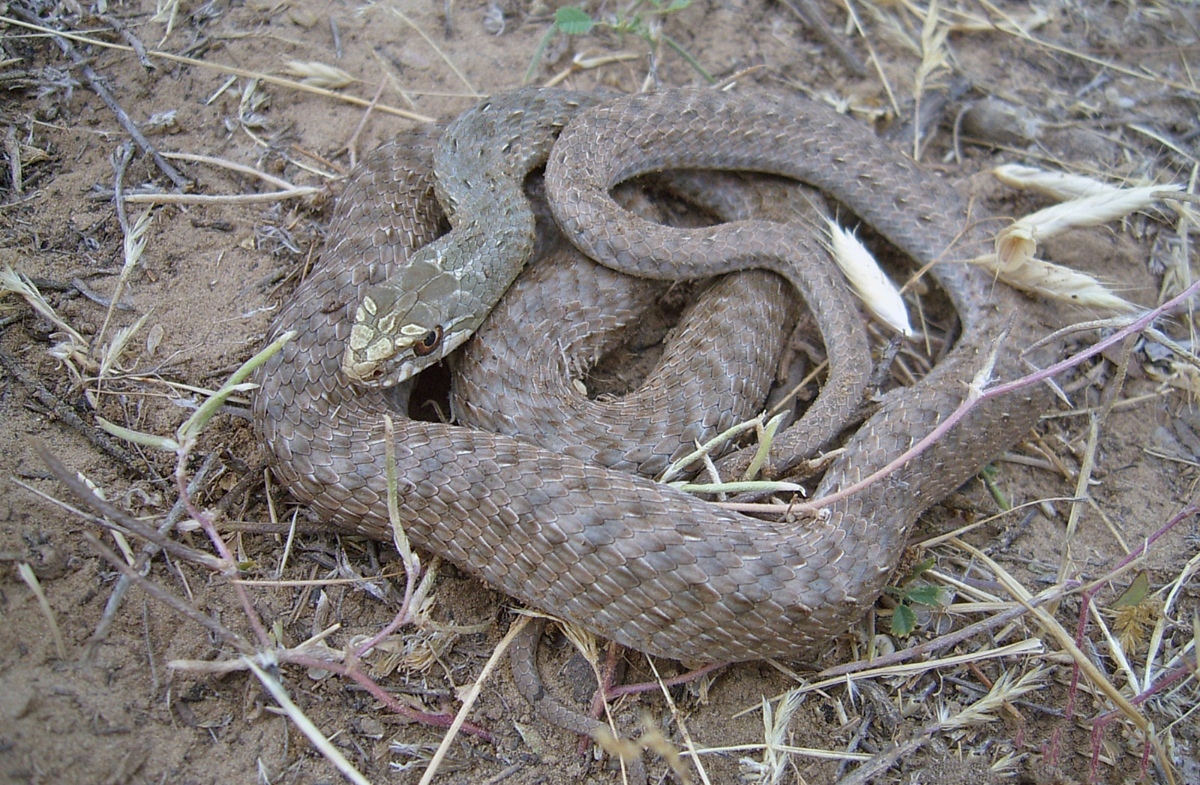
{"points": [[518, 374], [648, 566], [563, 313]]}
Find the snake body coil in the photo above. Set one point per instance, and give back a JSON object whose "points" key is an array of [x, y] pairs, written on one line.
{"points": [[632, 560]]}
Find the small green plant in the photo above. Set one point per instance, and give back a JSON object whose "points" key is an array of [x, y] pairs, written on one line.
{"points": [[989, 475], [914, 591], [642, 18]]}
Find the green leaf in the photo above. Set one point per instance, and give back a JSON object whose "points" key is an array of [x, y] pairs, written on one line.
{"points": [[922, 566], [678, 5], [138, 437], [1137, 591], [572, 21], [192, 427], [989, 474], [904, 621], [924, 595]]}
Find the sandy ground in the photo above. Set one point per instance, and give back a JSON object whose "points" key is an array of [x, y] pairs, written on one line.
{"points": [[1102, 89]]}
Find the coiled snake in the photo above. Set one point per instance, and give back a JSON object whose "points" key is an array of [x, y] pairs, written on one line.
{"points": [[651, 567]]}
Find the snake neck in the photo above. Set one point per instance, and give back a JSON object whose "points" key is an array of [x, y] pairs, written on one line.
{"points": [[434, 302]]}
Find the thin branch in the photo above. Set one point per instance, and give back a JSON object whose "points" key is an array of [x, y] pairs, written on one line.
{"points": [[94, 82], [165, 597]]}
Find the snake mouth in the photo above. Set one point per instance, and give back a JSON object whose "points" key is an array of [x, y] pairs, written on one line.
{"points": [[362, 371]]}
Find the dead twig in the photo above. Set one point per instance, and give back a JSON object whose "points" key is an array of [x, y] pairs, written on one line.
{"points": [[133, 465], [808, 13], [97, 86]]}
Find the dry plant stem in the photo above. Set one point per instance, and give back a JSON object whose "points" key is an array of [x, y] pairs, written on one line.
{"points": [[1090, 591], [352, 143], [412, 565], [221, 566], [224, 69], [120, 160], [609, 673], [1026, 648], [885, 760], [1014, 29], [1101, 722], [875, 62], [35, 586], [811, 16], [399, 620], [612, 693], [218, 542], [233, 166], [12, 148], [605, 674], [225, 565], [433, 45], [1089, 594], [923, 650], [1082, 662], [682, 725], [109, 516], [978, 395], [469, 700], [149, 551], [412, 569], [170, 600], [381, 695], [1087, 465], [264, 198], [100, 90], [121, 29], [297, 716], [99, 440], [1182, 196]]}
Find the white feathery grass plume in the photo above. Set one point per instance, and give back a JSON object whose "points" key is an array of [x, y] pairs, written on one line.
{"points": [[1091, 203], [72, 348], [868, 281], [1037, 276], [1018, 241], [318, 74], [1057, 185]]}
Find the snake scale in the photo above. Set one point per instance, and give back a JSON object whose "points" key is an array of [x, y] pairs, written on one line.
{"points": [[651, 567]]}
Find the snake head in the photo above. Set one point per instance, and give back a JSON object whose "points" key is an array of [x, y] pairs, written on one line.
{"points": [[405, 325]]}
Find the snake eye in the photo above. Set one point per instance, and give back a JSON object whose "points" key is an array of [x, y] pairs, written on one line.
{"points": [[426, 345]]}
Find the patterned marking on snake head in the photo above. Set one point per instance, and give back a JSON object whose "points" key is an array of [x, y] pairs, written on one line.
{"points": [[403, 326]]}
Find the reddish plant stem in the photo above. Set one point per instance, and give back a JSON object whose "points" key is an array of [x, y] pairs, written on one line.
{"points": [[381, 695], [977, 395], [210, 529]]}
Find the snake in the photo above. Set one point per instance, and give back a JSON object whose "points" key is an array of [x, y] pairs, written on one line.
{"points": [[639, 562]]}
